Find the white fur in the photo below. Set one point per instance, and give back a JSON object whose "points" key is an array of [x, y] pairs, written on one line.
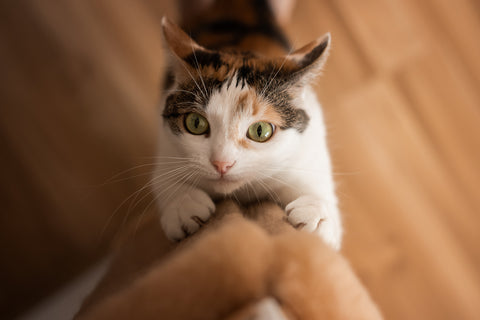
{"points": [[292, 169]]}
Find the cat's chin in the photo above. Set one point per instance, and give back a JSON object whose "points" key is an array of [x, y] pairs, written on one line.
{"points": [[225, 185]]}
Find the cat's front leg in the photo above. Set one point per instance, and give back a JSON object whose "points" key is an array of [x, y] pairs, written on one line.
{"points": [[185, 212], [314, 214]]}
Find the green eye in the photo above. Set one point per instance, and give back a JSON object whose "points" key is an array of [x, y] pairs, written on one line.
{"points": [[196, 124], [260, 131]]}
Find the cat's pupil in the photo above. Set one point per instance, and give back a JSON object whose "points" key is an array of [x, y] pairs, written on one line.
{"points": [[259, 131], [197, 122]]}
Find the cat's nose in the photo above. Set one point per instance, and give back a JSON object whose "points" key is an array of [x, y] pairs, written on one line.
{"points": [[222, 166]]}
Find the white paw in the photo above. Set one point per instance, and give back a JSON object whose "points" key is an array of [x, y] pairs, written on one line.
{"points": [[186, 213], [312, 214]]}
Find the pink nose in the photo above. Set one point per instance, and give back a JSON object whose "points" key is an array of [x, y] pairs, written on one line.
{"points": [[222, 166]]}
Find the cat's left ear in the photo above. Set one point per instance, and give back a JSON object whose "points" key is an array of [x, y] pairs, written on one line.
{"points": [[309, 60], [177, 40], [187, 54]]}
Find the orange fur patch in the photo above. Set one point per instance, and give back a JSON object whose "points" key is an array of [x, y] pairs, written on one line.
{"points": [[242, 104], [244, 143], [271, 115], [265, 111]]}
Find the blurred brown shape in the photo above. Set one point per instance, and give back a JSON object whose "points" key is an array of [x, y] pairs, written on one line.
{"points": [[239, 259], [78, 94]]}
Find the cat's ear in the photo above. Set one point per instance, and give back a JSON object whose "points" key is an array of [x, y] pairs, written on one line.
{"points": [[185, 50], [177, 40], [309, 60]]}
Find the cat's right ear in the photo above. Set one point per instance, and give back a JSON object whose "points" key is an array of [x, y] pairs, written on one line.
{"points": [[187, 53], [309, 60]]}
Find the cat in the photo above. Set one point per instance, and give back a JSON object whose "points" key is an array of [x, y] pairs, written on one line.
{"points": [[240, 120]]}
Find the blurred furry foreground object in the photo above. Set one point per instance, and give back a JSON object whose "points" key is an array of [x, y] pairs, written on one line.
{"points": [[244, 264]]}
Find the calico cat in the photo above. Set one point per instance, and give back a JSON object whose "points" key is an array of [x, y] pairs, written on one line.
{"points": [[240, 120]]}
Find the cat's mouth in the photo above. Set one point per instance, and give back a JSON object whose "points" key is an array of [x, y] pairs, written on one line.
{"points": [[225, 184], [224, 179]]}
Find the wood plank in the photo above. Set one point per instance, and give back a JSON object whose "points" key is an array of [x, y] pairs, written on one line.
{"points": [[459, 27], [346, 67], [451, 117], [435, 33], [72, 115], [396, 163], [383, 30]]}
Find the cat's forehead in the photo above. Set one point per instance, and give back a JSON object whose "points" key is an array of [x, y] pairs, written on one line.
{"points": [[247, 65], [235, 74], [236, 103], [227, 83]]}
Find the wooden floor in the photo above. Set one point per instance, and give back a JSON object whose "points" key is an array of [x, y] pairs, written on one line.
{"points": [[401, 93], [402, 96]]}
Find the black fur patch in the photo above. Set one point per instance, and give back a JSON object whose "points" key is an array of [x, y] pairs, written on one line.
{"points": [[301, 120], [168, 80], [237, 31], [201, 58], [293, 117], [189, 97], [313, 55], [273, 84], [233, 30]]}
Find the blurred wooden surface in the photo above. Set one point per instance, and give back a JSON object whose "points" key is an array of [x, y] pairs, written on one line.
{"points": [[401, 93]]}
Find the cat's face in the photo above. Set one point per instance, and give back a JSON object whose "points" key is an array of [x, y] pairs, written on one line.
{"points": [[234, 138], [235, 117]]}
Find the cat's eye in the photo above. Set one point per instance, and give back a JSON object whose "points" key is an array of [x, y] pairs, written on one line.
{"points": [[196, 123], [260, 131]]}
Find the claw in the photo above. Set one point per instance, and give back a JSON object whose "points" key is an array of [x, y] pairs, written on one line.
{"points": [[198, 220]]}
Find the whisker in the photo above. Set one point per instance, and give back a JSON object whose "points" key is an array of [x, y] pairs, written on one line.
{"points": [[173, 174], [249, 184], [135, 194], [181, 182], [169, 157], [194, 174], [186, 91], [158, 194], [153, 164], [191, 76], [273, 196], [310, 171], [130, 177], [271, 79], [198, 72], [236, 198], [273, 178], [196, 83]]}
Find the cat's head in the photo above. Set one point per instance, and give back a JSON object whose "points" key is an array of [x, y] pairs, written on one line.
{"points": [[237, 116]]}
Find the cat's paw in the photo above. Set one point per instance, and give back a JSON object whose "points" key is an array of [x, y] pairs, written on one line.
{"points": [[312, 214], [186, 213]]}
